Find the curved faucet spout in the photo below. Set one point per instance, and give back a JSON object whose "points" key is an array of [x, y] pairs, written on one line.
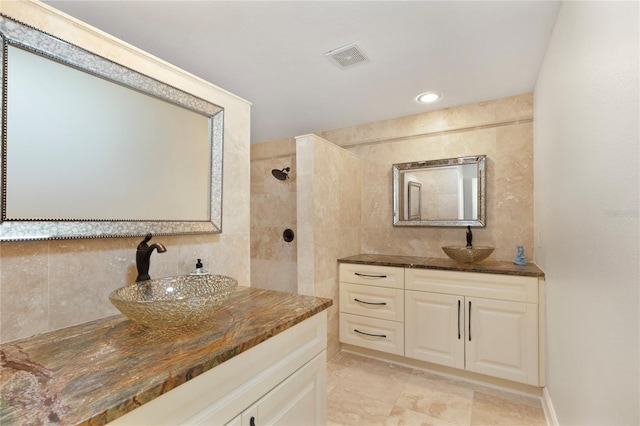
{"points": [[143, 257]]}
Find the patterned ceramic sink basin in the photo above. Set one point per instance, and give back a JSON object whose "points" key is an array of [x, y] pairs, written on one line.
{"points": [[463, 254], [173, 301]]}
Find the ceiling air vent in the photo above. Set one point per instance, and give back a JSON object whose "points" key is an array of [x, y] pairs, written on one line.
{"points": [[346, 56]]}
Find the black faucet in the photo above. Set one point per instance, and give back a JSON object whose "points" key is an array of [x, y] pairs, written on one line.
{"points": [[143, 257]]}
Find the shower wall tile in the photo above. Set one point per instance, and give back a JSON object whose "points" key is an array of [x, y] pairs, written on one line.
{"points": [[305, 207], [329, 211], [267, 243], [275, 148], [273, 210], [276, 275]]}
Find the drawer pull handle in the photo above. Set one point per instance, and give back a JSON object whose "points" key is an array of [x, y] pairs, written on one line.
{"points": [[371, 303], [367, 334], [252, 421], [369, 276]]}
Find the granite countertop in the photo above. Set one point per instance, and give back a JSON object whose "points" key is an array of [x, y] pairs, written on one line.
{"points": [[485, 266], [95, 372]]}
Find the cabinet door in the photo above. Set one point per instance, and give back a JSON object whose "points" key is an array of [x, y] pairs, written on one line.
{"points": [[300, 400], [502, 339], [434, 328]]}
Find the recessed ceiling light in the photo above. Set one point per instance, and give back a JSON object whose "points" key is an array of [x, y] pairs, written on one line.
{"points": [[425, 98]]}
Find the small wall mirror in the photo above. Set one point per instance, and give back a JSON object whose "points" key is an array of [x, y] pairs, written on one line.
{"points": [[91, 148], [447, 192]]}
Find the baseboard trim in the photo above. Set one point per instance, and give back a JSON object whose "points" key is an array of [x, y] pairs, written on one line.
{"points": [[549, 411]]}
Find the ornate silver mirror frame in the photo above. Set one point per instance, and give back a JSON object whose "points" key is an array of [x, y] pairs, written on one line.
{"points": [[43, 226], [448, 192]]}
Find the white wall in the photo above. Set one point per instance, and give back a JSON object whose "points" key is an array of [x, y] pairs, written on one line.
{"points": [[586, 160]]}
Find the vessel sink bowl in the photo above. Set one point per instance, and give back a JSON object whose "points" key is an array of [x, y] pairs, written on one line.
{"points": [[173, 301], [463, 254]]}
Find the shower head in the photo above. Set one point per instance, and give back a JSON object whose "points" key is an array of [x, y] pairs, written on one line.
{"points": [[280, 174]]}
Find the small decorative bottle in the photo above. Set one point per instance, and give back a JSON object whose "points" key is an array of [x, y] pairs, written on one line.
{"points": [[520, 257]]}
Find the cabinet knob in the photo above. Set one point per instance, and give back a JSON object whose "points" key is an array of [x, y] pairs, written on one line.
{"points": [[252, 421]]}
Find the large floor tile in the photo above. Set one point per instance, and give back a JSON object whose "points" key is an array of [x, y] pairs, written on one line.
{"points": [[348, 408], [365, 391], [494, 410], [440, 400]]}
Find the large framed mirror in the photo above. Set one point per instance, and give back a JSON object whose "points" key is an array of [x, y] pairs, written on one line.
{"points": [[447, 192], [91, 148]]}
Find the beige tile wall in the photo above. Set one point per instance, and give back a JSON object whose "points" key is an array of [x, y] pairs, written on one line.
{"points": [[329, 211], [47, 285], [502, 129], [273, 210]]}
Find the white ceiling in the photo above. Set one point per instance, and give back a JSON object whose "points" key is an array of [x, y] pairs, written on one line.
{"points": [[272, 53]]}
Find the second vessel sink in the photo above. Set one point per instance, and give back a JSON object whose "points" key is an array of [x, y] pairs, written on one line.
{"points": [[464, 254], [173, 301]]}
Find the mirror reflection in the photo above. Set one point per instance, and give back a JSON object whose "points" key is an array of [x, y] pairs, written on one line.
{"points": [[91, 148], [447, 192]]}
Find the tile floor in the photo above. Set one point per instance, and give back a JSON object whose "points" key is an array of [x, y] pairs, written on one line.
{"points": [[364, 391]]}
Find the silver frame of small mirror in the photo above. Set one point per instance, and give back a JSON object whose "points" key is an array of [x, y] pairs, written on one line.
{"points": [[21, 35], [480, 160]]}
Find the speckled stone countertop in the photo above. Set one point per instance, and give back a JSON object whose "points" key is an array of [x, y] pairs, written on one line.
{"points": [[95, 372], [485, 266]]}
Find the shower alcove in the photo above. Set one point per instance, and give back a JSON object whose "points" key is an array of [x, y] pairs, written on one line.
{"points": [[320, 201]]}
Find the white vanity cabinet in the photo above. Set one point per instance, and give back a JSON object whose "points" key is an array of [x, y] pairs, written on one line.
{"points": [[486, 323], [296, 401], [372, 307], [281, 381]]}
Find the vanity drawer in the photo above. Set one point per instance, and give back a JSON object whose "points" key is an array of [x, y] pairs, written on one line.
{"points": [[490, 286], [372, 333], [381, 276], [371, 301]]}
